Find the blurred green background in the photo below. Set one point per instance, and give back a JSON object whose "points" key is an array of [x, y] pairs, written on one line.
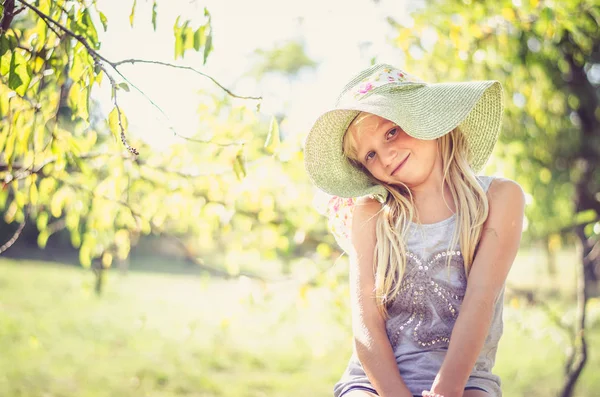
{"points": [[205, 265]]}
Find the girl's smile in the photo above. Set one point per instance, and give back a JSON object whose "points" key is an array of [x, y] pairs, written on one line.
{"points": [[401, 164]]}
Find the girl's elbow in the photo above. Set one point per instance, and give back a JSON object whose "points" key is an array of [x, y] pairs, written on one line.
{"points": [[366, 337]]}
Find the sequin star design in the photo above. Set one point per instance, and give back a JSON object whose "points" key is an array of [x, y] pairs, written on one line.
{"points": [[429, 289]]}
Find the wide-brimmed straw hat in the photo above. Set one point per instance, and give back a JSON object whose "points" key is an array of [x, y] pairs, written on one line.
{"points": [[423, 110]]}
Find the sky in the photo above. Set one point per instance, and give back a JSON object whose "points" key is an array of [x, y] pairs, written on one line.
{"points": [[332, 31]]}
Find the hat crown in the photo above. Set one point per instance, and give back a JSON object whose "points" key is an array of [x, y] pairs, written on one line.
{"points": [[376, 76]]}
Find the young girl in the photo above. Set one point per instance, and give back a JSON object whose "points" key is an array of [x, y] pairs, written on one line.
{"points": [[431, 242]]}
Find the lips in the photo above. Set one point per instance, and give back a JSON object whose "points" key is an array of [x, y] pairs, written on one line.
{"points": [[400, 165]]}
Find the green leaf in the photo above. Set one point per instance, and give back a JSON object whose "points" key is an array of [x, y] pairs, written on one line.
{"points": [[238, 165], [184, 34], [207, 46], [273, 139], [178, 41], [74, 97], [103, 20], [84, 104], [91, 32], [113, 123], [44, 6], [3, 136], [124, 86], [132, 15], [4, 44], [12, 44], [154, 15], [25, 74], [42, 220], [42, 34], [199, 38], [80, 61], [75, 238], [57, 202], [9, 148], [585, 216], [14, 80], [85, 253], [43, 238], [33, 194]]}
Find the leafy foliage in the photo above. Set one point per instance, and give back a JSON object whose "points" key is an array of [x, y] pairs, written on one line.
{"points": [[61, 168], [287, 58]]}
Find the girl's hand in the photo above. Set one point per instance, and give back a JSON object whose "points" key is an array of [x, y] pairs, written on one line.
{"points": [[427, 393], [443, 389]]}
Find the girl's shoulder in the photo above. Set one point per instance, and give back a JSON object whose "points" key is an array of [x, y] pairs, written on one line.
{"points": [[488, 182], [485, 181]]}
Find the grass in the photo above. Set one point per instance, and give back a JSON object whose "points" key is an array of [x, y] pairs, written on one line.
{"points": [[154, 334]]}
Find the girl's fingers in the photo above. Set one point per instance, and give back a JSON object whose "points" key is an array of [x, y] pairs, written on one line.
{"points": [[427, 393]]}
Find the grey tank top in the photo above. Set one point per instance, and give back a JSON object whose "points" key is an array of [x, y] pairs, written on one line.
{"points": [[424, 312]]}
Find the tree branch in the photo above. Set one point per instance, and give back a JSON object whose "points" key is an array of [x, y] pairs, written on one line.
{"points": [[7, 15], [234, 143], [188, 253], [68, 31], [192, 258], [114, 98], [133, 61], [565, 229], [531, 299], [22, 171], [13, 239]]}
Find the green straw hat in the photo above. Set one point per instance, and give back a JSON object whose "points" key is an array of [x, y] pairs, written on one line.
{"points": [[423, 110]]}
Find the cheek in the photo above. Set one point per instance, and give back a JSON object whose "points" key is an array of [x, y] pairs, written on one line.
{"points": [[426, 149], [378, 171]]}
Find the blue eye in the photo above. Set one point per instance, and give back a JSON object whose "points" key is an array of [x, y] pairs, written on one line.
{"points": [[368, 156], [392, 132]]}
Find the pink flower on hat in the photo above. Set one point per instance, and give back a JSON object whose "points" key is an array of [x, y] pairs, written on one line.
{"points": [[365, 87], [386, 76]]}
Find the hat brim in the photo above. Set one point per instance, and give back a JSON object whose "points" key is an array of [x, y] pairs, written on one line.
{"points": [[424, 112]]}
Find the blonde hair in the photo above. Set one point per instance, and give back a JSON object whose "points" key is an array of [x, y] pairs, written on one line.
{"points": [[393, 221]]}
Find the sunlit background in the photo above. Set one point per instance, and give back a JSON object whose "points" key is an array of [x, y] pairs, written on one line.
{"points": [[208, 265], [337, 37]]}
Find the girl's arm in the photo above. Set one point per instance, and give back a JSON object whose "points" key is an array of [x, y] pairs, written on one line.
{"points": [[497, 250], [372, 345]]}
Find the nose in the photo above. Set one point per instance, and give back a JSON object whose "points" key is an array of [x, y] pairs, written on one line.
{"points": [[389, 158]]}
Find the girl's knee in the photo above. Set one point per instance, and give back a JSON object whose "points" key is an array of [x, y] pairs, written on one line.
{"points": [[475, 393], [359, 393]]}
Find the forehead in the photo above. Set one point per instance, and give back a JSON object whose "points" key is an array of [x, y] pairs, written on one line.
{"points": [[365, 125]]}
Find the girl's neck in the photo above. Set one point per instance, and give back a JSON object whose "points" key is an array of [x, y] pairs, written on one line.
{"points": [[432, 209], [429, 199]]}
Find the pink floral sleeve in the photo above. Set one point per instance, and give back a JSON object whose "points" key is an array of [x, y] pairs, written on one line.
{"points": [[339, 215]]}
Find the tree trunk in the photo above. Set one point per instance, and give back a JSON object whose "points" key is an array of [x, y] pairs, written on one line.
{"points": [[587, 162], [550, 258], [100, 273], [579, 353]]}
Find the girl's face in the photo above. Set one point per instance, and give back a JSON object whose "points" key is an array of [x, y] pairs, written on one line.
{"points": [[390, 154]]}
